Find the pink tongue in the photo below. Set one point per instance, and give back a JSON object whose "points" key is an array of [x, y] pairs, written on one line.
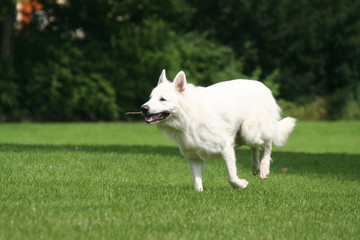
{"points": [[151, 118]]}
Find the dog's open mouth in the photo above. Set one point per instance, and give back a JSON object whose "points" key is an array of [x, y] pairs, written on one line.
{"points": [[154, 118]]}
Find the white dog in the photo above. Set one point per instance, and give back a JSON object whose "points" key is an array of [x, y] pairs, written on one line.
{"points": [[210, 121]]}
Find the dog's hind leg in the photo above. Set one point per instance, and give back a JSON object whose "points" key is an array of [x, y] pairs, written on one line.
{"points": [[230, 162], [255, 160], [197, 168], [265, 161]]}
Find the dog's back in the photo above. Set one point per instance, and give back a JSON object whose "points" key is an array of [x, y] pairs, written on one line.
{"points": [[243, 109]]}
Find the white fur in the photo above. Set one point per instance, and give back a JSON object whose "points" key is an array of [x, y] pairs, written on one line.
{"points": [[210, 122]]}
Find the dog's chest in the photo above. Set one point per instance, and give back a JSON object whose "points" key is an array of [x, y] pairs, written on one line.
{"points": [[197, 143]]}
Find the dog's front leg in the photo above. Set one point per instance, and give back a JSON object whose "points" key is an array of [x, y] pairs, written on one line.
{"points": [[197, 167], [230, 162]]}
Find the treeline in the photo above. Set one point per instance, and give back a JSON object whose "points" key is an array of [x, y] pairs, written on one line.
{"points": [[89, 60]]}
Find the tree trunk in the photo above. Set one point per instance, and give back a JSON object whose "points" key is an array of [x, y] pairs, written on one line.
{"points": [[6, 31]]}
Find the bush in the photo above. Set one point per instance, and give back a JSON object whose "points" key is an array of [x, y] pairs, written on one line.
{"points": [[322, 108], [206, 62], [314, 110], [65, 89]]}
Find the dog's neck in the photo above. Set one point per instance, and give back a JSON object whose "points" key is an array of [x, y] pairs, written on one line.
{"points": [[187, 128]]}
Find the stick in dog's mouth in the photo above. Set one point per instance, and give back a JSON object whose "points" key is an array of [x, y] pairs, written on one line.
{"points": [[134, 113]]}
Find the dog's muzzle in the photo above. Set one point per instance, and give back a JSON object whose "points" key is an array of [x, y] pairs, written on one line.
{"points": [[153, 118]]}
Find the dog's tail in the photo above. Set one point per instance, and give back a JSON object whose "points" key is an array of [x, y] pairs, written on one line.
{"points": [[283, 130]]}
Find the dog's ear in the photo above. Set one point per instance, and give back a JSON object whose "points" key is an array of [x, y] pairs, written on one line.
{"points": [[180, 81], [162, 78]]}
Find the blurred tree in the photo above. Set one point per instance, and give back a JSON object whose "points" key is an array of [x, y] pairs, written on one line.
{"points": [[7, 18]]}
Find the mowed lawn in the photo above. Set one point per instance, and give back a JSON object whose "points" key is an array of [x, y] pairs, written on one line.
{"points": [[127, 181]]}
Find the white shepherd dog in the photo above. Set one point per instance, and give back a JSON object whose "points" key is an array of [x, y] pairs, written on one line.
{"points": [[210, 121]]}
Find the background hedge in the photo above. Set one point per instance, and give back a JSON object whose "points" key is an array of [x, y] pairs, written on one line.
{"points": [[96, 59]]}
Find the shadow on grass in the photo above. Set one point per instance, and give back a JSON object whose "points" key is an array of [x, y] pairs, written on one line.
{"points": [[119, 149], [320, 164], [334, 164]]}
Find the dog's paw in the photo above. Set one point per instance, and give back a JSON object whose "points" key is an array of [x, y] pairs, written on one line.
{"points": [[264, 170], [199, 188], [239, 183], [255, 170], [244, 183]]}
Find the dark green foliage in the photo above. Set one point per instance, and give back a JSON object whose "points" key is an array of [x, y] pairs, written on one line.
{"points": [[70, 85], [315, 44], [96, 59]]}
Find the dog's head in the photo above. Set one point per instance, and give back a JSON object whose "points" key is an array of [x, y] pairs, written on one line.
{"points": [[164, 99]]}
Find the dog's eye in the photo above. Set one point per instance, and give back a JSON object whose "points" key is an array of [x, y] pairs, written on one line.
{"points": [[162, 99]]}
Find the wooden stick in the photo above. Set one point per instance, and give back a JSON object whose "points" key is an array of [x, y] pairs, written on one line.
{"points": [[134, 113]]}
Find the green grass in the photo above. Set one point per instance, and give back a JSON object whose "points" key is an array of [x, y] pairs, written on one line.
{"points": [[127, 181]]}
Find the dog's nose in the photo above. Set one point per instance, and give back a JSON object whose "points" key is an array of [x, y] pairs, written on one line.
{"points": [[144, 109]]}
